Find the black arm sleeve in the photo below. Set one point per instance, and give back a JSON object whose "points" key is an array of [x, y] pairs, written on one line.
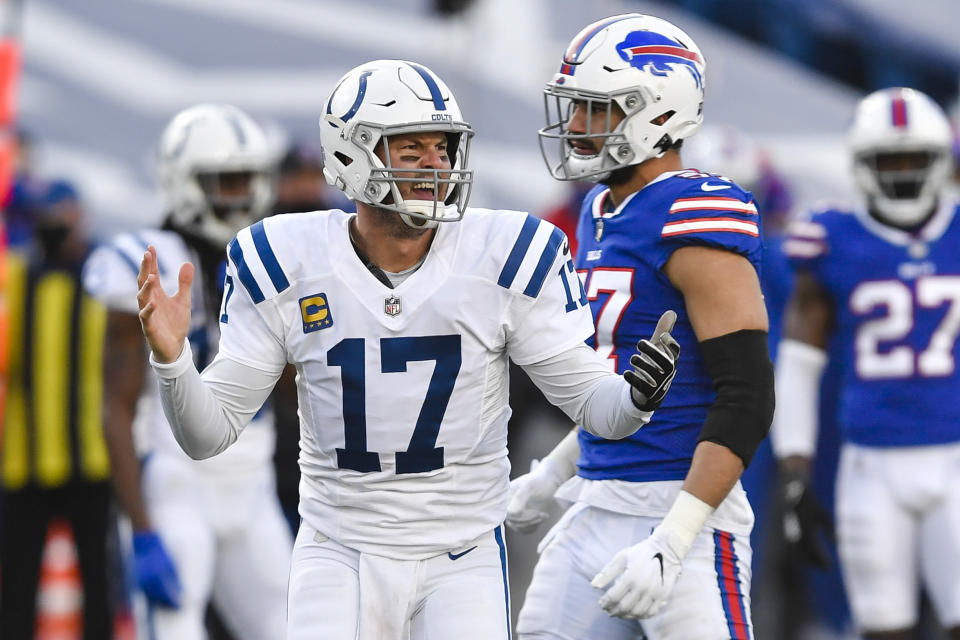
{"points": [[742, 373]]}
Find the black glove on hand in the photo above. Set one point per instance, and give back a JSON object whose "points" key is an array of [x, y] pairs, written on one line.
{"points": [[803, 520], [654, 365]]}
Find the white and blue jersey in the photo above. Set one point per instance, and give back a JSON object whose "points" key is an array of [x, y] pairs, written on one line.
{"points": [[620, 257], [219, 518], [110, 275], [897, 302], [402, 391]]}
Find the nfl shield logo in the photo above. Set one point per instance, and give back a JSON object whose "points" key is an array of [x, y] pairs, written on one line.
{"points": [[391, 306]]}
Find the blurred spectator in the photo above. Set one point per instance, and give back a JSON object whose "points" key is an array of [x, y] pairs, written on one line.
{"points": [[301, 185], [730, 152], [451, 7], [54, 458], [567, 214], [26, 195]]}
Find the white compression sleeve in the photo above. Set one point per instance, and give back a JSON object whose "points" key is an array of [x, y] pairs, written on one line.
{"points": [[581, 384], [207, 412], [563, 457], [799, 368]]}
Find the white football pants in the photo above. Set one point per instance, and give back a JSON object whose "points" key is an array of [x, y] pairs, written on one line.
{"points": [[709, 602], [229, 542], [337, 593], [898, 523]]}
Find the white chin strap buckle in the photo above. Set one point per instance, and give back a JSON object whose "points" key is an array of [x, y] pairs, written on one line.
{"points": [[425, 208]]}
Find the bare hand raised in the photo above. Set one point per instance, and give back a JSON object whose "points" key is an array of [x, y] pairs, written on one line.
{"points": [[165, 320]]}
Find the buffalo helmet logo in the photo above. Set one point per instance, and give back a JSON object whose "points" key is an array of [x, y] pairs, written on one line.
{"points": [[657, 54]]}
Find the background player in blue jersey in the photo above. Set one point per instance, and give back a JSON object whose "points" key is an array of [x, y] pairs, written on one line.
{"points": [[659, 519], [400, 321], [886, 281]]}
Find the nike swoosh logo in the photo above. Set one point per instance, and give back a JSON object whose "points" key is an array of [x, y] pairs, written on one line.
{"points": [[455, 556], [659, 557], [706, 186]]}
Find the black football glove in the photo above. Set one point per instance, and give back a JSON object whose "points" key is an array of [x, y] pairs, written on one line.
{"points": [[654, 365], [804, 518]]}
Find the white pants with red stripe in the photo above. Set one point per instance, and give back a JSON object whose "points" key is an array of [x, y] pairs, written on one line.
{"points": [[709, 602], [338, 593], [898, 525]]}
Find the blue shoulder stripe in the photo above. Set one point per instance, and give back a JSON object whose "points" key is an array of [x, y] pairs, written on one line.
{"points": [[140, 240], [130, 261], [543, 267], [243, 271], [515, 259], [268, 257]]}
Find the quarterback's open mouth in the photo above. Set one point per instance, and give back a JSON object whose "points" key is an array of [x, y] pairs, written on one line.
{"points": [[422, 191]]}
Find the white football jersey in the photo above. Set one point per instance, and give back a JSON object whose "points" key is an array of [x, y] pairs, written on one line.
{"points": [[402, 392], [110, 275]]}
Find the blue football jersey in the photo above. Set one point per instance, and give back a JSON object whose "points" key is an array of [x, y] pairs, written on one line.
{"points": [[620, 256], [897, 301], [776, 282]]}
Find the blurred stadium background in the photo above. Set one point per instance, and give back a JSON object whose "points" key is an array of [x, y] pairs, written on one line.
{"points": [[99, 79]]}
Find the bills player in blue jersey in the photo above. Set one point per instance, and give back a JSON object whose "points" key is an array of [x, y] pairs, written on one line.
{"points": [[400, 321], [885, 280], [659, 528]]}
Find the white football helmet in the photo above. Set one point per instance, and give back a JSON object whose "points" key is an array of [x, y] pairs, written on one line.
{"points": [[216, 171], [898, 123], [385, 98], [649, 68]]}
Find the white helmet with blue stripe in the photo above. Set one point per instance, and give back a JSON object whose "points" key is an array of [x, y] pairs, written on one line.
{"points": [[215, 168], [385, 98], [646, 66], [901, 143]]}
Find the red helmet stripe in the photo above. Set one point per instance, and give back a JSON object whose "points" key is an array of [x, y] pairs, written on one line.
{"points": [[899, 112], [679, 52]]}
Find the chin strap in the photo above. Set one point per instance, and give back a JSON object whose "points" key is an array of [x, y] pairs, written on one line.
{"points": [[426, 209]]}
